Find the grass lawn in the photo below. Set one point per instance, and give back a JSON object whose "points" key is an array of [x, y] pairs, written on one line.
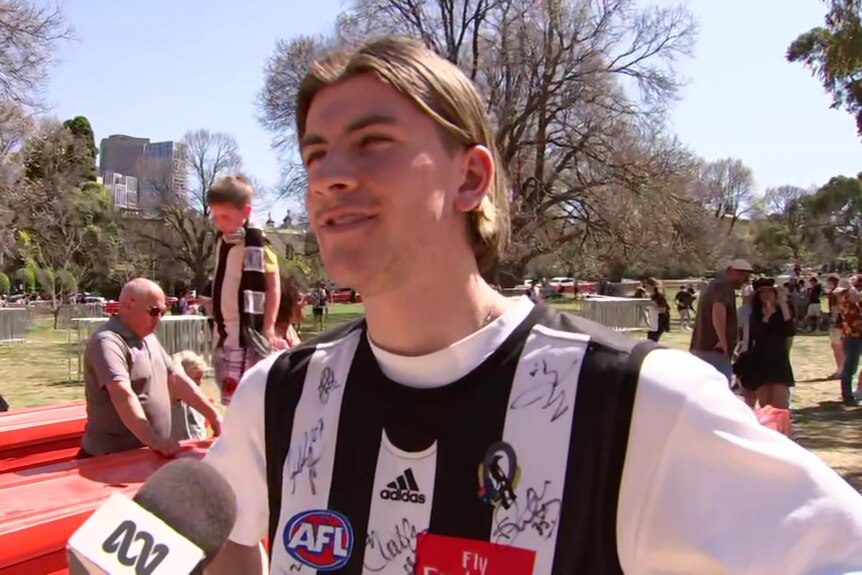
{"points": [[37, 372]]}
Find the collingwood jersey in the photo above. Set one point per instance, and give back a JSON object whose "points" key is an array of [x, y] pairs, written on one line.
{"points": [[520, 466]]}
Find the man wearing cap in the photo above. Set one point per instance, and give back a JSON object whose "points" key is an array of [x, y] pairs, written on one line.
{"points": [[715, 327]]}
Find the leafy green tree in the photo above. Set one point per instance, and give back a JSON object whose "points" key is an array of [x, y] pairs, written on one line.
{"points": [[5, 284], [833, 53], [66, 223], [789, 225], [27, 276], [85, 142], [839, 202]]}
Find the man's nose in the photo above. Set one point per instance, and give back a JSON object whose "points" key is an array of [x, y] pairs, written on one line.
{"points": [[333, 173]]}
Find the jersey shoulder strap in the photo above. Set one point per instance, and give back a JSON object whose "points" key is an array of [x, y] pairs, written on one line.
{"points": [[607, 386], [284, 385]]}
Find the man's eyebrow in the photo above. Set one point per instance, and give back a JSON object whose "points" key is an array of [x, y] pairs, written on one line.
{"points": [[355, 126]]}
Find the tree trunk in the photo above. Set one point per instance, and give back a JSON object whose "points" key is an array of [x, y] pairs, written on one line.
{"points": [[200, 279]]}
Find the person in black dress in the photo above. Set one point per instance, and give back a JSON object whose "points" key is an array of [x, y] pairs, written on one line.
{"points": [[764, 368]]}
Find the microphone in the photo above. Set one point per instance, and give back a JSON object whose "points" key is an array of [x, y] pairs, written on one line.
{"points": [[176, 523]]}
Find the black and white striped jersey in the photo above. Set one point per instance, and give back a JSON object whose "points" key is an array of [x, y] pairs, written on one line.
{"points": [[541, 444]]}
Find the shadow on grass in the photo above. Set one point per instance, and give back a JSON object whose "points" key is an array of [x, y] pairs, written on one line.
{"points": [[828, 426], [817, 380], [64, 383]]}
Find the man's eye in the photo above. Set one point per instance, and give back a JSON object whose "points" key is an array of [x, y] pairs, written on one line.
{"points": [[313, 156], [373, 139]]}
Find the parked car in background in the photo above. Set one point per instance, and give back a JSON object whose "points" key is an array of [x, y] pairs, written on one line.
{"points": [[344, 295]]}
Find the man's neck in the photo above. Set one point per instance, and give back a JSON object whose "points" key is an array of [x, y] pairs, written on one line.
{"points": [[426, 319]]}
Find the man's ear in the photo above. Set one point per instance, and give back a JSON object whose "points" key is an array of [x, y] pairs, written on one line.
{"points": [[246, 211], [478, 175]]}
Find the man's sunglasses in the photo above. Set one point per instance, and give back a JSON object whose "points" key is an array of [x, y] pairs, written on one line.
{"points": [[156, 311]]}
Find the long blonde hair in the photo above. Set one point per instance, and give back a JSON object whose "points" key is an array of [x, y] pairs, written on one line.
{"points": [[442, 92], [189, 361]]}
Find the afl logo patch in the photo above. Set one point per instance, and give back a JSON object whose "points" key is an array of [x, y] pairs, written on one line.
{"points": [[319, 538]]}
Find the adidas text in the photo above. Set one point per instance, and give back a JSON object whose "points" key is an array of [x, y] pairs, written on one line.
{"points": [[402, 495]]}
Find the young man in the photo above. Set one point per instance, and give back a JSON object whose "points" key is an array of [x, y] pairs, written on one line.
{"points": [[848, 301], [814, 309], [684, 306], [452, 418], [319, 299], [246, 288], [836, 332]]}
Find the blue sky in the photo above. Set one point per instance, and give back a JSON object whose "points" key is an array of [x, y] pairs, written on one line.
{"points": [[159, 68]]}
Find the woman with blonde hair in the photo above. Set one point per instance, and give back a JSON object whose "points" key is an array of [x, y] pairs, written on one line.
{"points": [[186, 422]]}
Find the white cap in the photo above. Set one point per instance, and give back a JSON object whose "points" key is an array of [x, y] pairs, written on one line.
{"points": [[740, 265]]}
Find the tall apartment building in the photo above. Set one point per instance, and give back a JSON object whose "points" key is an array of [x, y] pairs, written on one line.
{"points": [[158, 167], [168, 161], [121, 154], [123, 189]]}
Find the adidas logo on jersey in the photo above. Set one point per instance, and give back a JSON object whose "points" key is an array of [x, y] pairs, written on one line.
{"points": [[404, 488]]}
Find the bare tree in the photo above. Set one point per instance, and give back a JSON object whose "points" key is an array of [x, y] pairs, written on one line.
{"points": [[578, 91], [29, 34], [209, 156], [15, 126], [187, 231], [726, 188]]}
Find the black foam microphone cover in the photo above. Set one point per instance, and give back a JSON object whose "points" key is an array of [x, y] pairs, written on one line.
{"points": [[193, 499]]}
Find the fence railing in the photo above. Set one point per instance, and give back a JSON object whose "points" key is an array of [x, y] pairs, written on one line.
{"points": [[617, 313], [70, 312], [176, 333], [621, 314], [65, 314], [14, 322]]}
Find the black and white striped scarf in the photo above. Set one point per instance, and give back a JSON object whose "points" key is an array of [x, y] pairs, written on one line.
{"points": [[252, 286]]}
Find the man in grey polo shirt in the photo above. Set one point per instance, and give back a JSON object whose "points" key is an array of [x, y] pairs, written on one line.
{"points": [[715, 326], [127, 383]]}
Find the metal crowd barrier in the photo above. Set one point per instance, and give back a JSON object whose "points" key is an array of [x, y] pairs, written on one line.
{"points": [[70, 312], [176, 333], [13, 324], [621, 314]]}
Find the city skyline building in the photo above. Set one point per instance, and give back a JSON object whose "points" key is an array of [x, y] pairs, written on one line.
{"points": [[159, 168]]}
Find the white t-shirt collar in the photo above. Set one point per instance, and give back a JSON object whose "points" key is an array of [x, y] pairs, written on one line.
{"points": [[454, 362]]}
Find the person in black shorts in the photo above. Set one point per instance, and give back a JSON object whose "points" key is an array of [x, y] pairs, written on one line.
{"points": [[684, 306], [319, 297]]}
